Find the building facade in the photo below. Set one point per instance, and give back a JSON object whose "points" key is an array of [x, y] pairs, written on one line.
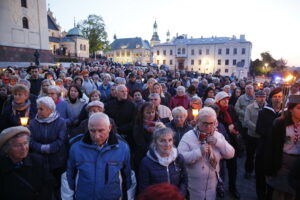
{"points": [[130, 50], [206, 55]]}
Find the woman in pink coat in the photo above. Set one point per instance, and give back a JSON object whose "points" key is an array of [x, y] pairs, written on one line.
{"points": [[180, 99]]}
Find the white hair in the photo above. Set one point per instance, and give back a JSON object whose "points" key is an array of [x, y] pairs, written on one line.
{"points": [[106, 75], [55, 88], [180, 88], [48, 102], [99, 116], [120, 80], [119, 87], [153, 95], [195, 80], [207, 112], [179, 110], [209, 101], [226, 86]]}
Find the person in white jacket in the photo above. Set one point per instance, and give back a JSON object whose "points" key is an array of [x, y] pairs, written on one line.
{"points": [[202, 148]]}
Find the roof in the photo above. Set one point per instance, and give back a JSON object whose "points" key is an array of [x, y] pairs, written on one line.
{"points": [[54, 39], [65, 39], [74, 32], [130, 43], [197, 41], [51, 24]]}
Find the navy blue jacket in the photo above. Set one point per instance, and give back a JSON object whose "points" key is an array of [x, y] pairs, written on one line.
{"points": [[179, 131], [151, 172], [53, 133]]}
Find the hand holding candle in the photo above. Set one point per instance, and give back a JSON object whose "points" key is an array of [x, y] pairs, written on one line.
{"points": [[24, 121]]}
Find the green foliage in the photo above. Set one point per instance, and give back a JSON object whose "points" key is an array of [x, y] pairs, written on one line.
{"points": [[267, 65], [93, 28]]}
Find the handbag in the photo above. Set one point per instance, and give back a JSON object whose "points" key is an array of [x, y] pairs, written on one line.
{"points": [[220, 186]]}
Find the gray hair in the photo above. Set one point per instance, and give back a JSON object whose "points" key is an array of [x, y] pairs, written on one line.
{"points": [[179, 110], [106, 75], [180, 88], [119, 87], [196, 98], [98, 117], [206, 112], [48, 102], [153, 95], [195, 80], [55, 88], [160, 132], [249, 86], [209, 101], [226, 86], [25, 82]]}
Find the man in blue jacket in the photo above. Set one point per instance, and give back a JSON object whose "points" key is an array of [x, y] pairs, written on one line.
{"points": [[99, 164]]}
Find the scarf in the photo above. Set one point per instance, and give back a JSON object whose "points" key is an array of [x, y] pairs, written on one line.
{"points": [[57, 101], [21, 107], [53, 116], [149, 125], [165, 161], [227, 117]]}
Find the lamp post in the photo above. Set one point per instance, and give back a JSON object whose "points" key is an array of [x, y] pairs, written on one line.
{"points": [[287, 83]]}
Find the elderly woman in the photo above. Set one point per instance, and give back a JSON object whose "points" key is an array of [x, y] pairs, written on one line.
{"points": [[95, 95], [149, 87], [22, 175], [164, 96], [195, 104], [163, 163], [61, 105], [181, 99], [48, 136], [202, 149], [19, 106], [179, 124], [283, 150], [104, 88], [44, 89]]}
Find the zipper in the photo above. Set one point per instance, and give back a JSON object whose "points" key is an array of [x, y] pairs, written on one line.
{"points": [[168, 174], [106, 173]]}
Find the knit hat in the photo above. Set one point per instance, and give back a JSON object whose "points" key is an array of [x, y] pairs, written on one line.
{"points": [[260, 93], [8, 133], [221, 95]]}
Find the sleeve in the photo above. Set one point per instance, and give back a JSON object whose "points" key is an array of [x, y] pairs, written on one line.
{"points": [[34, 145], [144, 176], [183, 177], [127, 168], [238, 109], [226, 150], [250, 124], [65, 191], [71, 169], [62, 136], [260, 127], [190, 155]]}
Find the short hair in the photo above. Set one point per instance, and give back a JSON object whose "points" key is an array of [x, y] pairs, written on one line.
{"points": [[180, 88], [206, 112], [119, 87], [164, 191], [106, 75], [248, 86], [97, 116], [20, 88], [47, 101], [55, 88], [95, 92], [158, 132], [14, 77], [179, 110], [153, 95], [25, 82], [196, 98], [120, 80], [195, 80], [226, 86]]}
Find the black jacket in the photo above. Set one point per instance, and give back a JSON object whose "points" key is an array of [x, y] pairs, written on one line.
{"points": [[35, 86], [179, 131], [294, 178], [34, 174]]}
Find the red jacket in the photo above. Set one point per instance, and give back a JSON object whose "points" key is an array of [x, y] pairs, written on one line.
{"points": [[176, 101]]}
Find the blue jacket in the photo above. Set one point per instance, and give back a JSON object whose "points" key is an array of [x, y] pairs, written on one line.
{"points": [[53, 133], [94, 172], [62, 108], [105, 93], [151, 172]]}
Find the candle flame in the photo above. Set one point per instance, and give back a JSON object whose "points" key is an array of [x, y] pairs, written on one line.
{"points": [[24, 121]]}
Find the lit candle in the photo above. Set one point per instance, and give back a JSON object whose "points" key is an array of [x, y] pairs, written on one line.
{"points": [[24, 121], [195, 112]]}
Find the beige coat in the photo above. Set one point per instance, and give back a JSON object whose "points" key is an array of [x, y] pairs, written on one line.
{"points": [[202, 177], [250, 119]]}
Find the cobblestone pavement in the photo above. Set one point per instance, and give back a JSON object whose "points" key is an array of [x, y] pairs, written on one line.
{"points": [[245, 187]]}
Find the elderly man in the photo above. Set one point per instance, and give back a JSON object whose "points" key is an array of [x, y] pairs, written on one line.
{"points": [[22, 174], [99, 164], [164, 112], [202, 149], [123, 112], [251, 138]]}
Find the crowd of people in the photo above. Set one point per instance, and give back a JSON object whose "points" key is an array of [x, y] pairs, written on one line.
{"points": [[108, 131]]}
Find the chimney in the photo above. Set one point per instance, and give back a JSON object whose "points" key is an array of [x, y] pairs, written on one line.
{"points": [[242, 37]]}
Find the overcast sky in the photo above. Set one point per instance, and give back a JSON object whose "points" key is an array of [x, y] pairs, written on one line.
{"points": [[271, 25]]}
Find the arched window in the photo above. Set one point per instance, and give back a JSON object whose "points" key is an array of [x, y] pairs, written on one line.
{"points": [[80, 46], [24, 3], [25, 22], [84, 47], [179, 51], [183, 50]]}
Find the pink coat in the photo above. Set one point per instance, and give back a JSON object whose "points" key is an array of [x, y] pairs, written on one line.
{"points": [[176, 101]]}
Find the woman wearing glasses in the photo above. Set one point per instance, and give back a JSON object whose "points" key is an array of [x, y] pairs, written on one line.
{"points": [[202, 149]]}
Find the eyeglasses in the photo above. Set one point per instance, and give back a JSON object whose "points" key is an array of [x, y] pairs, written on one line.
{"points": [[207, 124]]}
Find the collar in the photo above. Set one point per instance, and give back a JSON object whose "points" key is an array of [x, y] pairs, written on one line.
{"points": [[112, 139]]}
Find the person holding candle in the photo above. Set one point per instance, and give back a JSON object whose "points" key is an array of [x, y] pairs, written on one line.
{"points": [[195, 106], [19, 106], [179, 124]]}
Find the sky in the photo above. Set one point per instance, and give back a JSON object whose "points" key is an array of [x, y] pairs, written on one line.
{"points": [[271, 25]]}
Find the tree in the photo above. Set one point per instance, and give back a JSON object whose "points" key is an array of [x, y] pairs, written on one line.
{"points": [[93, 28]]}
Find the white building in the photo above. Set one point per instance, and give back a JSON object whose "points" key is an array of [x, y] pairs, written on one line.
{"points": [[206, 55]]}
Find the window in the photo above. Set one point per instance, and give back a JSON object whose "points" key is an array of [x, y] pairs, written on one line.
{"points": [[157, 62], [234, 62], [192, 62], [128, 53], [226, 70], [179, 51], [25, 22], [226, 62], [171, 52], [81, 47], [118, 53], [164, 52], [164, 62], [207, 51], [183, 50], [243, 51], [24, 3], [192, 52], [52, 34], [157, 53], [219, 51], [84, 47], [227, 51], [234, 51], [199, 62], [171, 62], [219, 62], [243, 62], [123, 53], [200, 51]]}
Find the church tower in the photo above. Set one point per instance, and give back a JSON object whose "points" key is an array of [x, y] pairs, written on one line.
{"points": [[155, 39]]}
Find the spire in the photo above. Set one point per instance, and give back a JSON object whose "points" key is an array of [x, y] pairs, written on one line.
{"points": [[48, 6], [115, 37], [155, 37], [168, 36]]}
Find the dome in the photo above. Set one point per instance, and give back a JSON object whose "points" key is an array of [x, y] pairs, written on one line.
{"points": [[74, 32]]}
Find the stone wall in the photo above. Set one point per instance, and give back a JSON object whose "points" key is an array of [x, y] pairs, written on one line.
{"points": [[18, 54]]}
